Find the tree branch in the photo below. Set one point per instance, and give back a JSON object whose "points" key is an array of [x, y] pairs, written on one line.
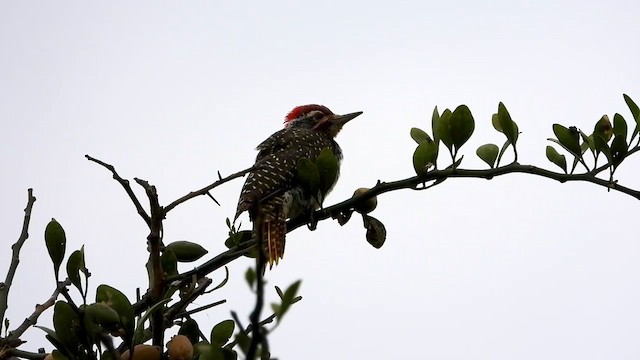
{"points": [[127, 187], [15, 256], [179, 307], [414, 182], [205, 190], [156, 273], [40, 308]]}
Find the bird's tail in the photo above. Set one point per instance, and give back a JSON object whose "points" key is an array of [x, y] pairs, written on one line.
{"points": [[273, 231]]}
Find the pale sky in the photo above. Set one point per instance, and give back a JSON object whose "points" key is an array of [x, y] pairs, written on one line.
{"points": [[514, 268]]}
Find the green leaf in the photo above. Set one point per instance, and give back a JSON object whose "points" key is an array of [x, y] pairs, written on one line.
{"points": [[221, 333], [619, 150], [376, 232], [556, 158], [495, 121], [57, 355], [602, 132], [442, 129], [169, 262], [287, 299], [100, 318], [635, 111], [419, 136], [328, 168], [462, 125], [619, 126], [250, 277], [190, 329], [238, 238], [138, 335], [213, 353], [587, 142], [186, 251], [309, 175], [279, 292], [507, 126], [56, 242], [117, 301], [435, 118], [633, 107], [67, 325], [488, 153], [75, 264], [603, 128], [424, 157], [568, 138]]}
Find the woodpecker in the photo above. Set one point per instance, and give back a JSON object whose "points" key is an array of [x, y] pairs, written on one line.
{"points": [[272, 193]]}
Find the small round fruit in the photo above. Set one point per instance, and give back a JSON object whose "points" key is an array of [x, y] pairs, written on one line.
{"points": [[180, 348], [143, 352], [366, 206]]}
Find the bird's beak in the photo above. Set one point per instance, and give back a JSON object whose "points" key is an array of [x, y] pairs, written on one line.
{"points": [[343, 119]]}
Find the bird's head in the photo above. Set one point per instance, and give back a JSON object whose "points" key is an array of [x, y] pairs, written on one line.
{"points": [[318, 118]]}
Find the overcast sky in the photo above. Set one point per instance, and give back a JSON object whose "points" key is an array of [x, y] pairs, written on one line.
{"points": [[172, 92]]}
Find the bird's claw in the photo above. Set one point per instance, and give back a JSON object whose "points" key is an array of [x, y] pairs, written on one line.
{"points": [[313, 223]]}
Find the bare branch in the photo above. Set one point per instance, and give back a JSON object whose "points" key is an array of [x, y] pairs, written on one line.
{"points": [[156, 278], [15, 256], [40, 308], [201, 308], [127, 187], [206, 189]]}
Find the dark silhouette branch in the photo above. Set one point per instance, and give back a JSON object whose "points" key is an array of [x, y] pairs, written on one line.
{"points": [[40, 308], [15, 255], [415, 182], [201, 308], [157, 284], [127, 188], [205, 190]]}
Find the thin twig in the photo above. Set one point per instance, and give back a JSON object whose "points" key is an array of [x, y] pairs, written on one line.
{"points": [[205, 190], [249, 328], [127, 187], [40, 308], [15, 256], [201, 308], [179, 307]]}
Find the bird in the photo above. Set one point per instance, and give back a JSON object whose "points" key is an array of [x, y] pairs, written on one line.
{"points": [[272, 192]]}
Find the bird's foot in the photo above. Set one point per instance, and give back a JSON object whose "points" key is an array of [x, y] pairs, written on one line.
{"points": [[313, 223]]}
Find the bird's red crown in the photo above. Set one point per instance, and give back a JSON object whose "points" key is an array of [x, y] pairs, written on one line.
{"points": [[298, 111]]}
